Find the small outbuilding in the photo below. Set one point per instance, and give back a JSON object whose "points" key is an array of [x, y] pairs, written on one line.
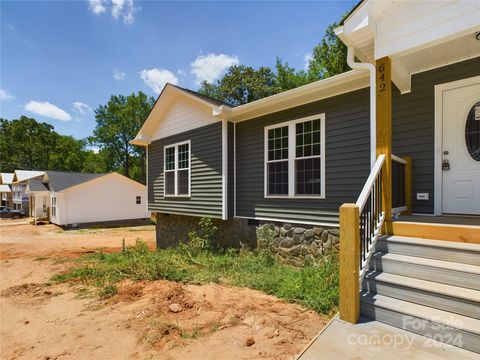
{"points": [[73, 199]]}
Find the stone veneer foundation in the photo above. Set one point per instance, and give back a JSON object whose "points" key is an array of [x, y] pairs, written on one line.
{"points": [[293, 243]]}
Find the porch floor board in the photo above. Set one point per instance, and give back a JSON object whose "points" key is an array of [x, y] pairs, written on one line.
{"points": [[444, 219], [342, 340]]}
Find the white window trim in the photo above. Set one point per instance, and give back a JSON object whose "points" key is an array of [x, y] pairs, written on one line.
{"points": [[175, 170], [292, 158]]}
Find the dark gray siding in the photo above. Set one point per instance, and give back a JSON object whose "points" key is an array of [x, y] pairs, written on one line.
{"points": [[206, 174], [347, 160], [414, 125], [231, 170]]}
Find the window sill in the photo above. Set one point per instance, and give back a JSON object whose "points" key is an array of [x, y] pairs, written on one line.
{"points": [[177, 196], [298, 197]]}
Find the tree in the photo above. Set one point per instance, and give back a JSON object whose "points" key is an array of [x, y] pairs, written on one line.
{"points": [[329, 57], [25, 144], [241, 85], [28, 144], [117, 123], [68, 155], [289, 78]]}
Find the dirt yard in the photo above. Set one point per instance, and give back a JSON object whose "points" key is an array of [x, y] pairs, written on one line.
{"points": [[145, 320]]}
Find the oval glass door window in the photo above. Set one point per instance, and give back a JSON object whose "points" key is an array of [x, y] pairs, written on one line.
{"points": [[472, 132]]}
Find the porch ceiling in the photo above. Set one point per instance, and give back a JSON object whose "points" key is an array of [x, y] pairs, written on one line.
{"points": [[416, 35]]}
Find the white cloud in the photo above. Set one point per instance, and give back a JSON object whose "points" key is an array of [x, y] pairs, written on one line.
{"points": [[46, 109], [158, 78], [307, 57], [210, 67], [82, 108], [96, 6], [118, 75], [5, 95], [181, 72], [120, 9]]}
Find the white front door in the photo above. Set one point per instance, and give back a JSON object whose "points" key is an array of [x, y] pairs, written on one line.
{"points": [[461, 150]]}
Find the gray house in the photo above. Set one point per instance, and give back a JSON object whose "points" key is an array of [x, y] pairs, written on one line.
{"points": [[370, 163]]}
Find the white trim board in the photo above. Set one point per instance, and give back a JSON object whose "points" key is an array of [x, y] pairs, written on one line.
{"points": [[224, 170], [438, 142], [335, 225]]}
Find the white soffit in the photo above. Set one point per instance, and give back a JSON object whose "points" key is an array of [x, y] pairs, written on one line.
{"points": [[416, 35]]}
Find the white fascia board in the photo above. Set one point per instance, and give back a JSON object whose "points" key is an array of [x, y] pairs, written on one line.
{"points": [[166, 96], [318, 90]]}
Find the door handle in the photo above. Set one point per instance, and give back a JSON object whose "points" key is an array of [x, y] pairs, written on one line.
{"points": [[446, 165]]}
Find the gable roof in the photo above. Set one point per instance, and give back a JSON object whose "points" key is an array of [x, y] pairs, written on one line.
{"points": [[61, 180], [6, 178], [22, 175], [163, 101], [202, 97], [5, 188], [318, 90], [36, 185]]}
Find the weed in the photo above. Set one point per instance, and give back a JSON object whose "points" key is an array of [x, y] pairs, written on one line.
{"points": [[314, 285], [108, 290], [40, 258]]}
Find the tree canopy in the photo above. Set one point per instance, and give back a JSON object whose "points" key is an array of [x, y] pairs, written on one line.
{"points": [[117, 123], [242, 84]]}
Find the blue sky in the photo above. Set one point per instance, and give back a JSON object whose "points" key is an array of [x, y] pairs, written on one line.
{"points": [[61, 59]]}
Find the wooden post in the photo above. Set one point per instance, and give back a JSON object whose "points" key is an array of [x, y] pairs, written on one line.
{"points": [[384, 130], [408, 185], [349, 263]]}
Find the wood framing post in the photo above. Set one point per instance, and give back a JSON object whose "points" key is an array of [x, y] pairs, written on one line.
{"points": [[349, 263], [408, 185], [384, 129]]}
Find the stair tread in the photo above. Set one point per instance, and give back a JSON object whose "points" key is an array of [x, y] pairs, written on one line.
{"points": [[446, 318], [430, 286], [449, 265], [439, 243]]}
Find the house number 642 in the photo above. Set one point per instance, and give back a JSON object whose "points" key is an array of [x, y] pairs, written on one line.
{"points": [[382, 85]]}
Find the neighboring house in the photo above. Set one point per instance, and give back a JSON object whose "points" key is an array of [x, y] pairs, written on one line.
{"points": [[70, 199], [5, 189], [399, 134], [21, 200]]}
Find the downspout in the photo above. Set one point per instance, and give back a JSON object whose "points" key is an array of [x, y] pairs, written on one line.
{"points": [[373, 121]]}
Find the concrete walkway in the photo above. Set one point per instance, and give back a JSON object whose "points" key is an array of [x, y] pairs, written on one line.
{"points": [[374, 340]]}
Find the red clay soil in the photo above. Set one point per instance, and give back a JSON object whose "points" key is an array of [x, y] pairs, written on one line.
{"points": [[145, 320]]}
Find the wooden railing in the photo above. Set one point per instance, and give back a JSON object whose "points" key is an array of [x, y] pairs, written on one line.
{"points": [[401, 184], [360, 226]]}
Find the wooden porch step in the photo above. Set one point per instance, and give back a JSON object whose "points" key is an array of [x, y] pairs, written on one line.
{"points": [[445, 272], [445, 297], [446, 232], [453, 329], [466, 253]]}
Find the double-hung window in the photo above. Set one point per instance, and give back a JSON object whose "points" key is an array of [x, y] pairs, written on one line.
{"points": [[295, 158], [177, 169]]}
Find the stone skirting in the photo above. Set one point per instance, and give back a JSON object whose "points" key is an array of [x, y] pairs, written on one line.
{"points": [[172, 229], [293, 243], [297, 243]]}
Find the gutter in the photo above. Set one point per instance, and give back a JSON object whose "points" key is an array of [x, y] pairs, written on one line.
{"points": [[373, 109]]}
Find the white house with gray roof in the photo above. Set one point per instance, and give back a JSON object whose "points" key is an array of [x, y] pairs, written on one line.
{"points": [[71, 199]]}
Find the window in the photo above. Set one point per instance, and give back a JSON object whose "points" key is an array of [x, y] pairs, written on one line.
{"points": [[294, 158], [177, 169], [138, 200], [54, 206]]}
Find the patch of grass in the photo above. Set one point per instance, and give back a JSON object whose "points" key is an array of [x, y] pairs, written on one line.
{"points": [[108, 290], [314, 285], [40, 258]]}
